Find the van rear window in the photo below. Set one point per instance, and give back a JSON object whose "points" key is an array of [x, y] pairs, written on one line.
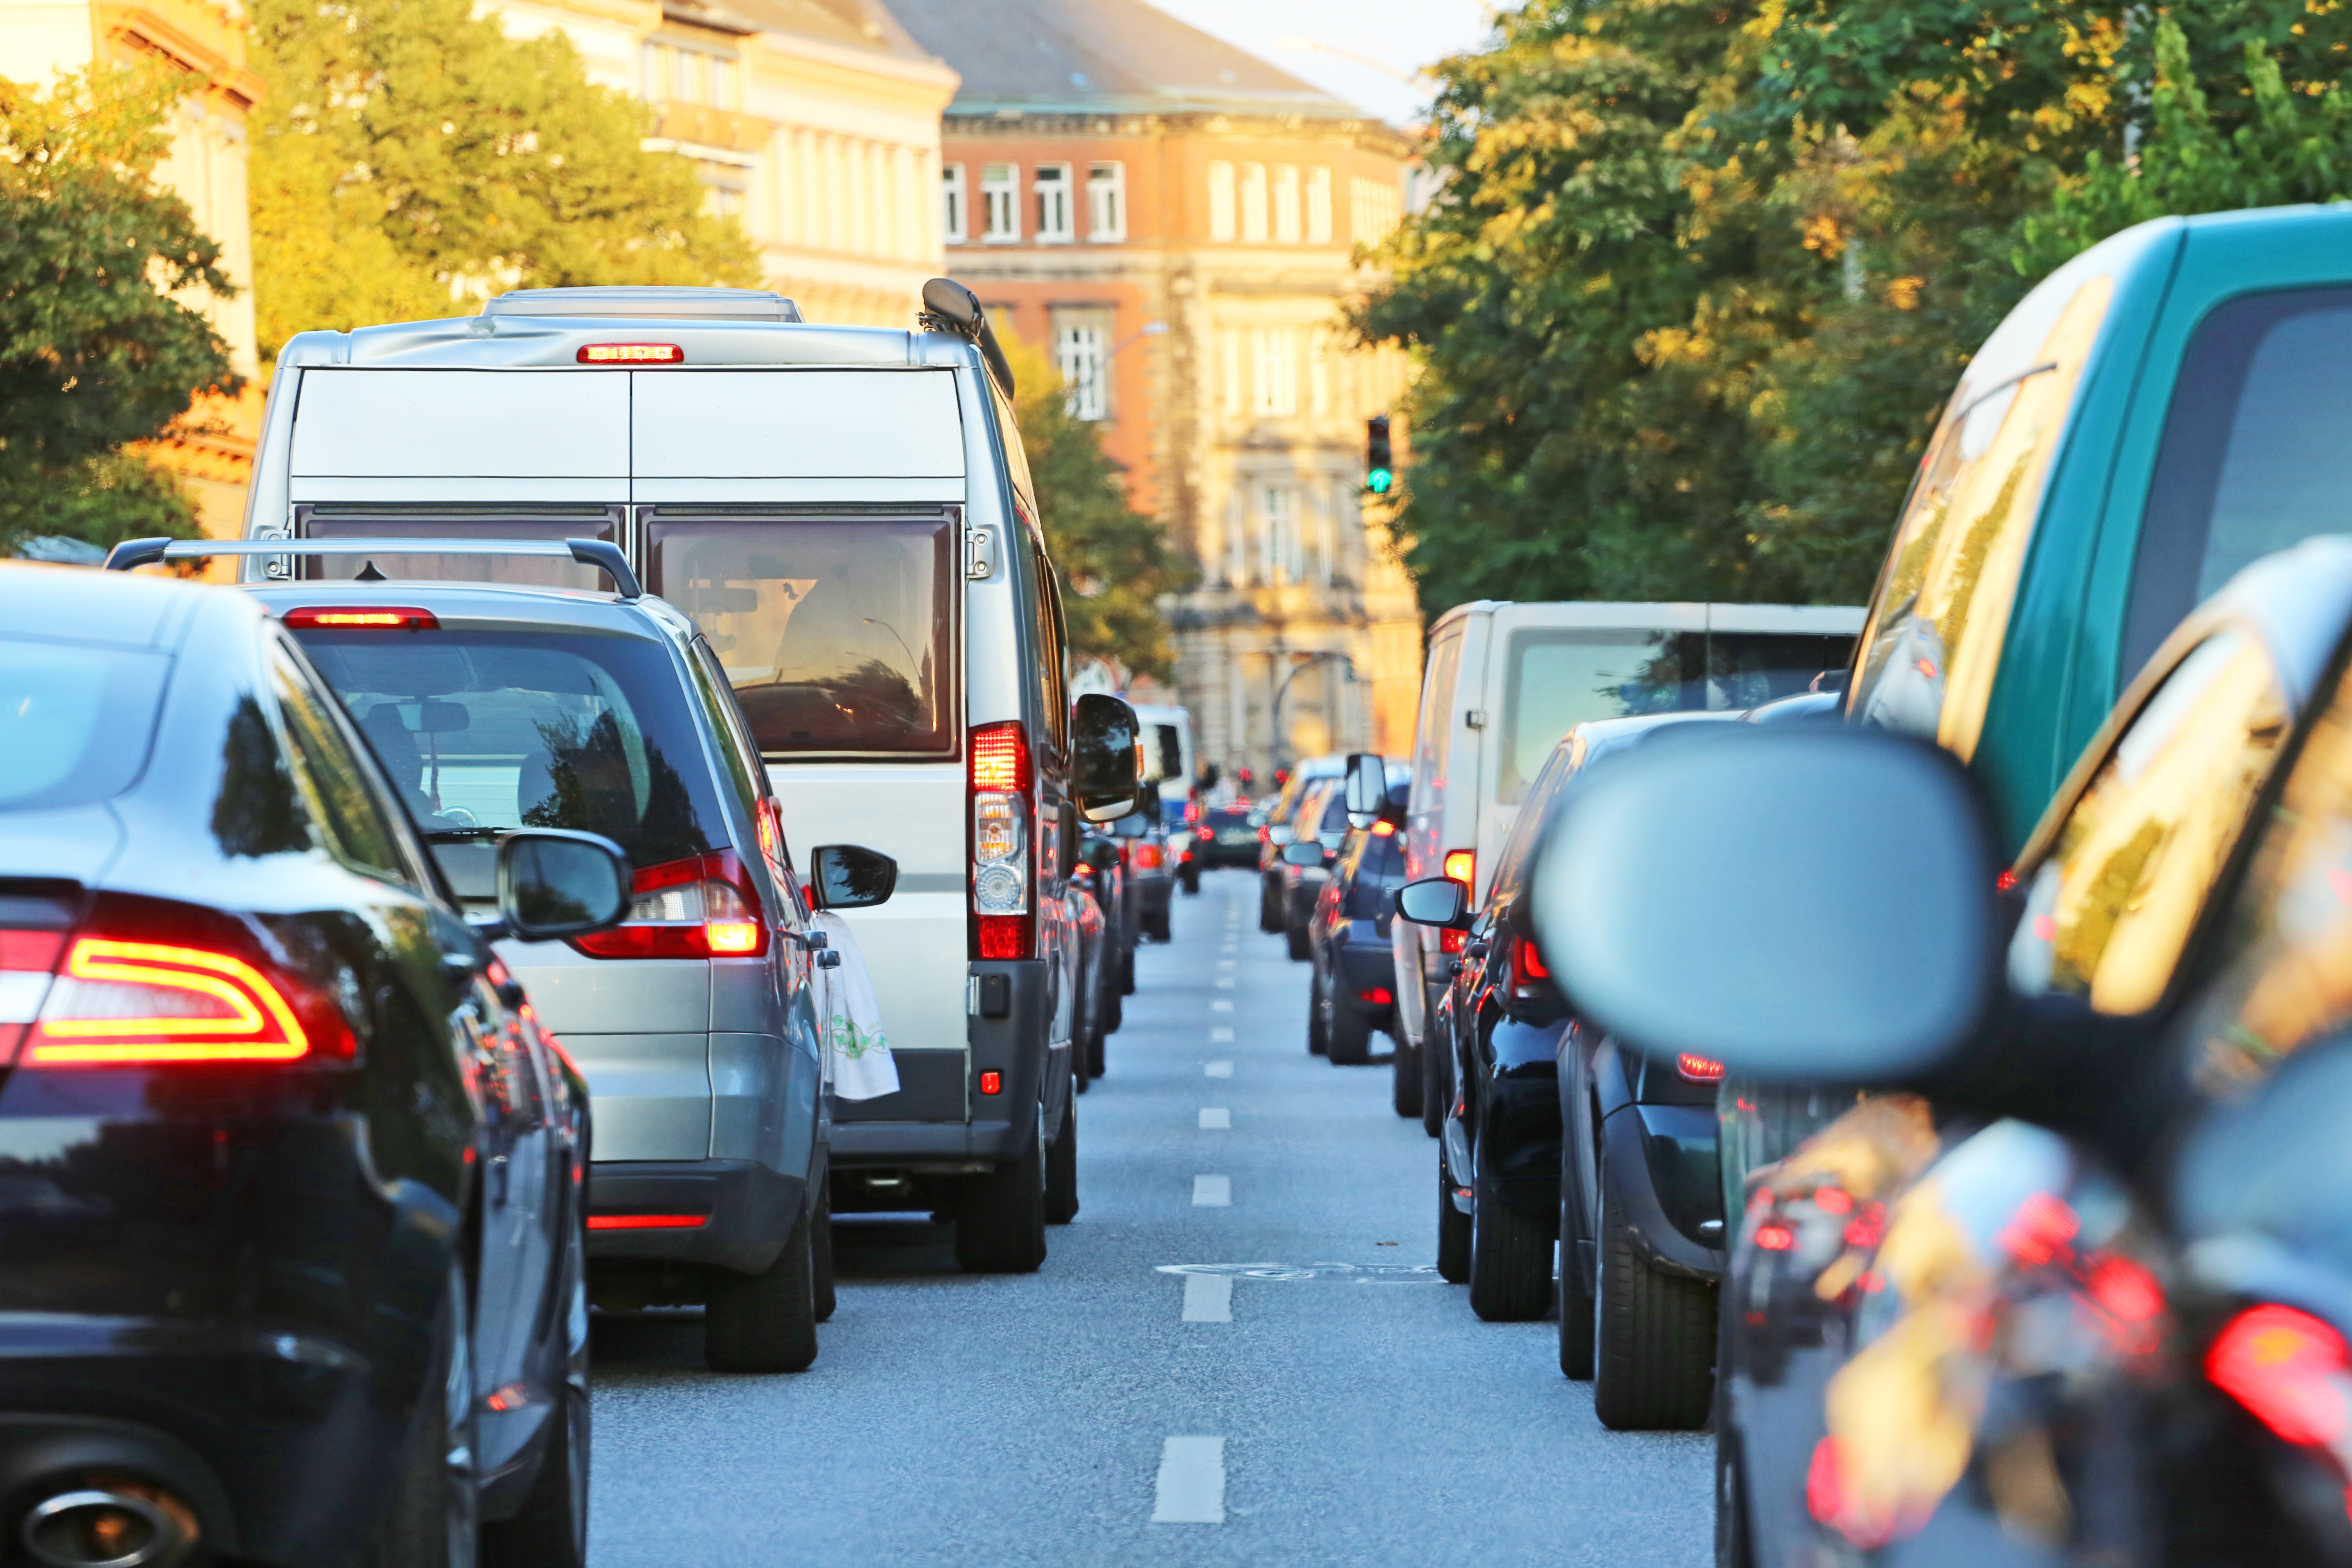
{"points": [[837, 635]]}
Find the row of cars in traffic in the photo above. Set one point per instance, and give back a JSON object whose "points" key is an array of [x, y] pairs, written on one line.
{"points": [[444, 929], [1937, 1082]]}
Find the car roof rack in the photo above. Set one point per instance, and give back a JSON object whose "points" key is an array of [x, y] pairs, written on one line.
{"points": [[648, 303], [602, 553]]}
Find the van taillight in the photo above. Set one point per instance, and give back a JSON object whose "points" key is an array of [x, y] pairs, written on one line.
{"points": [[705, 906], [2290, 1370], [1698, 1069], [631, 353], [360, 618], [1002, 926], [1461, 866], [1143, 855]]}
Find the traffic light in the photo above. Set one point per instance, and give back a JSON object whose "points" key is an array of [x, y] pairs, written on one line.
{"points": [[1379, 465]]}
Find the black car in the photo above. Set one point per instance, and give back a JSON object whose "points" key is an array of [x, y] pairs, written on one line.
{"points": [[2074, 1287], [292, 1198], [1351, 992], [1225, 837]]}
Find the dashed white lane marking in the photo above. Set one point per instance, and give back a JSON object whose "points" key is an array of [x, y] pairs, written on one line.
{"points": [[1216, 1118], [1213, 1192], [1219, 1069], [1226, 963], [1220, 1035], [1222, 1004], [1192, 1489], [1208, 1297], [1224, 982]]}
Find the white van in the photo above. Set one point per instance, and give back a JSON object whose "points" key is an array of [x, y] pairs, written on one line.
{"points": [[1504, 681], [847, 517]]}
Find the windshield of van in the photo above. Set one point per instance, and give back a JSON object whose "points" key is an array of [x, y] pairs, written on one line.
{"points": [[837, 636], [75, 721], [481, 731]]}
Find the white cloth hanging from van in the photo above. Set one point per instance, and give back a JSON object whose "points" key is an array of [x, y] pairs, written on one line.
{"points": [[862, 1067]]}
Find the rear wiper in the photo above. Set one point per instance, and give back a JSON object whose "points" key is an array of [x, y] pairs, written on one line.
{"points": [[436, 835]]}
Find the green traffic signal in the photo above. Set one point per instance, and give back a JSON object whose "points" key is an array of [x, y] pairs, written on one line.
{"points": [[1380, 482], [1379, 465]]}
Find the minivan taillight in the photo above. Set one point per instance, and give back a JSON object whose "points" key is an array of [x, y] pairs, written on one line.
{"points": [[705, 906], [1002, 925]]}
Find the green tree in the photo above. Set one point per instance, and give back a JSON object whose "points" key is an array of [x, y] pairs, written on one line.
{"points": [[412, 158], [1113, 561], [97, 347]]}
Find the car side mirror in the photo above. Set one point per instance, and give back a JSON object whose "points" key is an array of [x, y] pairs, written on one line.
{"points": [[1434, 902], [554, 882], [1106, 761], [1305, 852], [1796, 903], [1368, 787], [851, 876]]}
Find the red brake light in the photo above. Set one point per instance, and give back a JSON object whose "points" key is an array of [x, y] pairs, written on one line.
{"points": [[361, 618], [2288, 1368], [1000, 758], [1453, 941], [1205, 832], [1002, 873], [991, 1083], [1383, 828], [705, 906], [1698, 1069], [1462, 865], [647, 1221], [1775, 1237], [631, 353], [2005, 882], [1378, 996], [1143, 855]]}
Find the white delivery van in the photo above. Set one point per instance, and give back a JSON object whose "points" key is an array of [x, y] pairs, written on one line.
{"points": [[1504, 681], [1168, 757], [847, 517]]}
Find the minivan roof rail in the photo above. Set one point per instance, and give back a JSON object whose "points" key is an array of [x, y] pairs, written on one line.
{"points": [[648, 303], [602, 553]]}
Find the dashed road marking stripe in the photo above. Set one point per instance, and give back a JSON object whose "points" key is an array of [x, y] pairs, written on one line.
{"points": [[1219, 1069], [1216, 1118], [1222, 1004], [1213, 1192], [1192, 1487], [1220, 1035], [1208, 1297], [1224, 982]]}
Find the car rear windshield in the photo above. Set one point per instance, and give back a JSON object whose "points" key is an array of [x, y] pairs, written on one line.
{"points": [[837, 636], [482, 732], [1558, 677], [75, 721]]}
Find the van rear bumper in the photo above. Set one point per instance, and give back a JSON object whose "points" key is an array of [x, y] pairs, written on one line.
{"points": [[1007, 1038], [747, 1211]]}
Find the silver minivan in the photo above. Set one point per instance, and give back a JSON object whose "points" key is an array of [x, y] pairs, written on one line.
{"points": [[847, 515]]}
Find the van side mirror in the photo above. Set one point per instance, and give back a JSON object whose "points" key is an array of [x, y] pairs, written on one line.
{"points": [[554, 882], [1798, 903], [1305, 852], [851, 876], [1106, 764], [1434, 902], [1368, 788]]}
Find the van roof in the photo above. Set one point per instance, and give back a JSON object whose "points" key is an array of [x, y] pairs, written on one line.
{"points": [[648, 304], [525, 336]]}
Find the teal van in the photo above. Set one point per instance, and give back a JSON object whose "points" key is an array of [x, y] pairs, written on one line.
{"points": [[2170, 406]]}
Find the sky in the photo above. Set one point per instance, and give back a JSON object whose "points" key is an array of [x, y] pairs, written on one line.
{"points": [[1402, 34]]}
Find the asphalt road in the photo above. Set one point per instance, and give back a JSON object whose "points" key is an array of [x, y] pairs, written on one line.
{"points": [[1337, 1416]]}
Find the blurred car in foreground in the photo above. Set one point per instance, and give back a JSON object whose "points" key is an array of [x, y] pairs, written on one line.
{"points": [[2084, 1298], [292, 1199]]}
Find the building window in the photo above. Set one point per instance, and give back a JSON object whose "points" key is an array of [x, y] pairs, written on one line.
{"points": [[1285, 203], [1252, 192], [1220, 201], [1318, 375], [1319, 206], [1054, 224], [1105, 202], [1000, 204], [681, 73], [952, 210], [1372, 210], [1229, 343], [1082, 353], [1278, 540], [1275, 364]]}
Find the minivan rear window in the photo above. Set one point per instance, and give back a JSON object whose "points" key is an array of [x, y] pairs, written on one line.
{"points": [[482, 732], [837, 635], [75, 720]]}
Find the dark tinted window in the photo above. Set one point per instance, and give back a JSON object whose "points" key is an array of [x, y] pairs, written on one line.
{"points": [[75, 721], [484, 731], [351, 819], [2255, 455], [544, 570], [837, 636]]}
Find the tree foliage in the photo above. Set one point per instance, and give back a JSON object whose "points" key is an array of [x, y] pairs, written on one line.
{"points": [[411, 154], [1703, 271], [1113, 561], [98, 348]]}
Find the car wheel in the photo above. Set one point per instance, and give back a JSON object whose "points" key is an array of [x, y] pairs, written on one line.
{"points": [[1294, 936], [1434, 1098], [765, 1322], [1349, 1035], [1511, 1257], [1096, 1054], [434, 1521], [1117, 1016], [1127, 971], [1733, 1546], [1653, 1335], [1404, 1079], [1001, 1219], [1062, 1171], [1269, 905], [1575, 1292], [1452, 1230], [1191, 879], [1319, 1030], [821, 1242]]}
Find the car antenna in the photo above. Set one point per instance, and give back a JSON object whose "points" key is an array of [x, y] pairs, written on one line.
{"points": [[368, 574]]}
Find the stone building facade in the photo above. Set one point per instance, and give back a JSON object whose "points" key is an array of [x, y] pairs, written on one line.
{"points": [[1176, 223]]}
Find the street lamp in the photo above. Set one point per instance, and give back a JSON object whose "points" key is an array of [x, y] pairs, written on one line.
{"points": [[1310, 662], [1299, 44]]}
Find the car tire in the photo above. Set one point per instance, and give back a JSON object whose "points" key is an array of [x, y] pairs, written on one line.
{"points": [[1127, 971], [1318, 1029], [1192, 881], [1575, 1293], [1001, 1217], [1452, 1230], [1349, 1036], [821, 1242], [1511, 1257], [1062, 1171], [1653, 1335], [766, 1321], [1116, 993], [1295, 940], [1433, 1086], [1734, 1547], [434, 1521], [1269, 905], [1404, 1079], [1096, 1053]]}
